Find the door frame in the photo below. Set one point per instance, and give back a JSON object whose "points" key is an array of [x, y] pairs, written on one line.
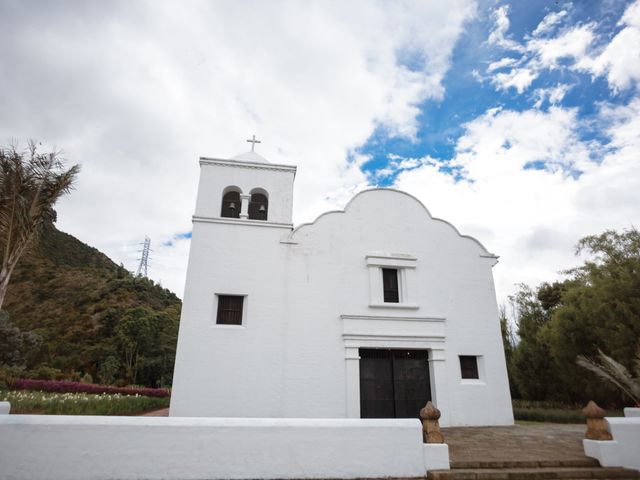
{"points": [[397, 333]]}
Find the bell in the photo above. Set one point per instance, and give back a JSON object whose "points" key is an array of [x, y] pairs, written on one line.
{"points": [[232, 206], [262, 208]]}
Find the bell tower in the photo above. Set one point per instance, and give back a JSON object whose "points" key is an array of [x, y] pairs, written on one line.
{"points": [[245, 188], [234, 297]]}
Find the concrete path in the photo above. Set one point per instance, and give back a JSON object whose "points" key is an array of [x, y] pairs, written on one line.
{"points": [[519, 443]]}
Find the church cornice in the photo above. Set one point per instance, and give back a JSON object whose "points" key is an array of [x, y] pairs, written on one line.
{"points": [[244, 164], [394, 319], [245, 222]]}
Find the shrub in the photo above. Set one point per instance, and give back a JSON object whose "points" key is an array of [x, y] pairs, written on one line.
{"points": [[10, 373], [25, 402], [62, 386], [552, 412], [45, 372]]}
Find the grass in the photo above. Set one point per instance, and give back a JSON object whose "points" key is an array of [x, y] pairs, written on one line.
{"points": [[551, 412], [80, 403]]}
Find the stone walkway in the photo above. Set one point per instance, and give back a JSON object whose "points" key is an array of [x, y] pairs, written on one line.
{"points": [[518, 443]]}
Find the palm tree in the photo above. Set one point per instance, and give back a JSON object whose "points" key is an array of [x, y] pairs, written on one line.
{"points": [[30, 184], [614, 372]]}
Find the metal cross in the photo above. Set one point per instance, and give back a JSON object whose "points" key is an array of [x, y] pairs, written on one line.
{"points": [[253, 142]]}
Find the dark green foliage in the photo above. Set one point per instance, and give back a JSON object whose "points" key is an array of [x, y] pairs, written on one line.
{"points": [[82, 306], [596, 308], [146, 341], [532, 368], [508, 343], [552, 412], [15, 345]]}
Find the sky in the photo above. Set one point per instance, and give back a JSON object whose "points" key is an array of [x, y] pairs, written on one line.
{"points": [[518, 122]]}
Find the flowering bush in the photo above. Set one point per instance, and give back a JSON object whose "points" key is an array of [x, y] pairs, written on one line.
{"points": [[80, 403], [64, 386]]}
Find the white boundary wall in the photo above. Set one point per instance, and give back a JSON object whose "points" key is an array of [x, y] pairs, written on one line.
{"points": [[623, 450], [55, 447]]}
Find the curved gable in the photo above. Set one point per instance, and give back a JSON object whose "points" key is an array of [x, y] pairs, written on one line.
{"points": [[360, 201]]}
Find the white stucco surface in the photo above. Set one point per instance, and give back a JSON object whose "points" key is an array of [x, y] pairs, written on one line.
{"points": [[632, 412], [42, 447], [5, 408], [436, 456], [624, 450], [313, 298]]}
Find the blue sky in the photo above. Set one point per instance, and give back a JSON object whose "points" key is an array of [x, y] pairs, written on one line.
{"points": [[518, 122], [469, 91]]}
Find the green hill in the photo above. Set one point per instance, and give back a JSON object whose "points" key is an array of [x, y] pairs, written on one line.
{"points": [[92, 316]]}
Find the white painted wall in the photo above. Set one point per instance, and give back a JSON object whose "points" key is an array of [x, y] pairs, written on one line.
{"points": [[41, 447], [632, 412], [623, 450], [313, 298], [246, 174]]}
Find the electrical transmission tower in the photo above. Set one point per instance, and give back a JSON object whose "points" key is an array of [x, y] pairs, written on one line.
{"points": [[144, 259]]}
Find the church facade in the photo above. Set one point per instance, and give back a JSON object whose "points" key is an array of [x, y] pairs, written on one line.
{"points": [[368, 312]]}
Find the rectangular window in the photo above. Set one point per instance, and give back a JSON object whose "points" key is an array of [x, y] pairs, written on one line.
{"points": [[469, 366], [230, 309], [390, 285]]}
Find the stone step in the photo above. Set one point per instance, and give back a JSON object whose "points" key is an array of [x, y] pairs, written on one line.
{"points": [[578, 462], [539, 473]]}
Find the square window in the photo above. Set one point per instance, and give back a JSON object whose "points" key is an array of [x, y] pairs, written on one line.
{"points": [[391, 291], [230, 309], [391, 280], [469, 366]]}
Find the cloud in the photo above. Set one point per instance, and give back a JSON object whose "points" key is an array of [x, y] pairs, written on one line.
{"points": [[502, 63], [554, 95], [136, 92], [498, 35], [576, 48], [619, 61], [518, 78], [532, 217], [548, 22], [398, 164], [572, 44]]}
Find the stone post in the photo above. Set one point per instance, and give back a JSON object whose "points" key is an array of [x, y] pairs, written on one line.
{"points": [[430, 427], [596, 424]]}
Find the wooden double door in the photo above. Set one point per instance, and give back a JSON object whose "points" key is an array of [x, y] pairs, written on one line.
{"points": [[393, 383]]}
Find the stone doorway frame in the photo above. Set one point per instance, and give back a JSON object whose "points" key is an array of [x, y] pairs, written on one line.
{"points": [[402, 333]]}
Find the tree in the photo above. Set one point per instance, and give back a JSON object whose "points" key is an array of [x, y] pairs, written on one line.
{"points": [[532, 367], [133, 334], [597, 308], [14, 343], [600, 311], [30, 185], [508, 343], [147, 342]]}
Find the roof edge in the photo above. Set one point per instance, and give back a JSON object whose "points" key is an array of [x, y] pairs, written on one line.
{"points": [[486, 252]]}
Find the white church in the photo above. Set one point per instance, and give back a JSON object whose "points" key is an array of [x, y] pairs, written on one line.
{"points": [[367, 312]]}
